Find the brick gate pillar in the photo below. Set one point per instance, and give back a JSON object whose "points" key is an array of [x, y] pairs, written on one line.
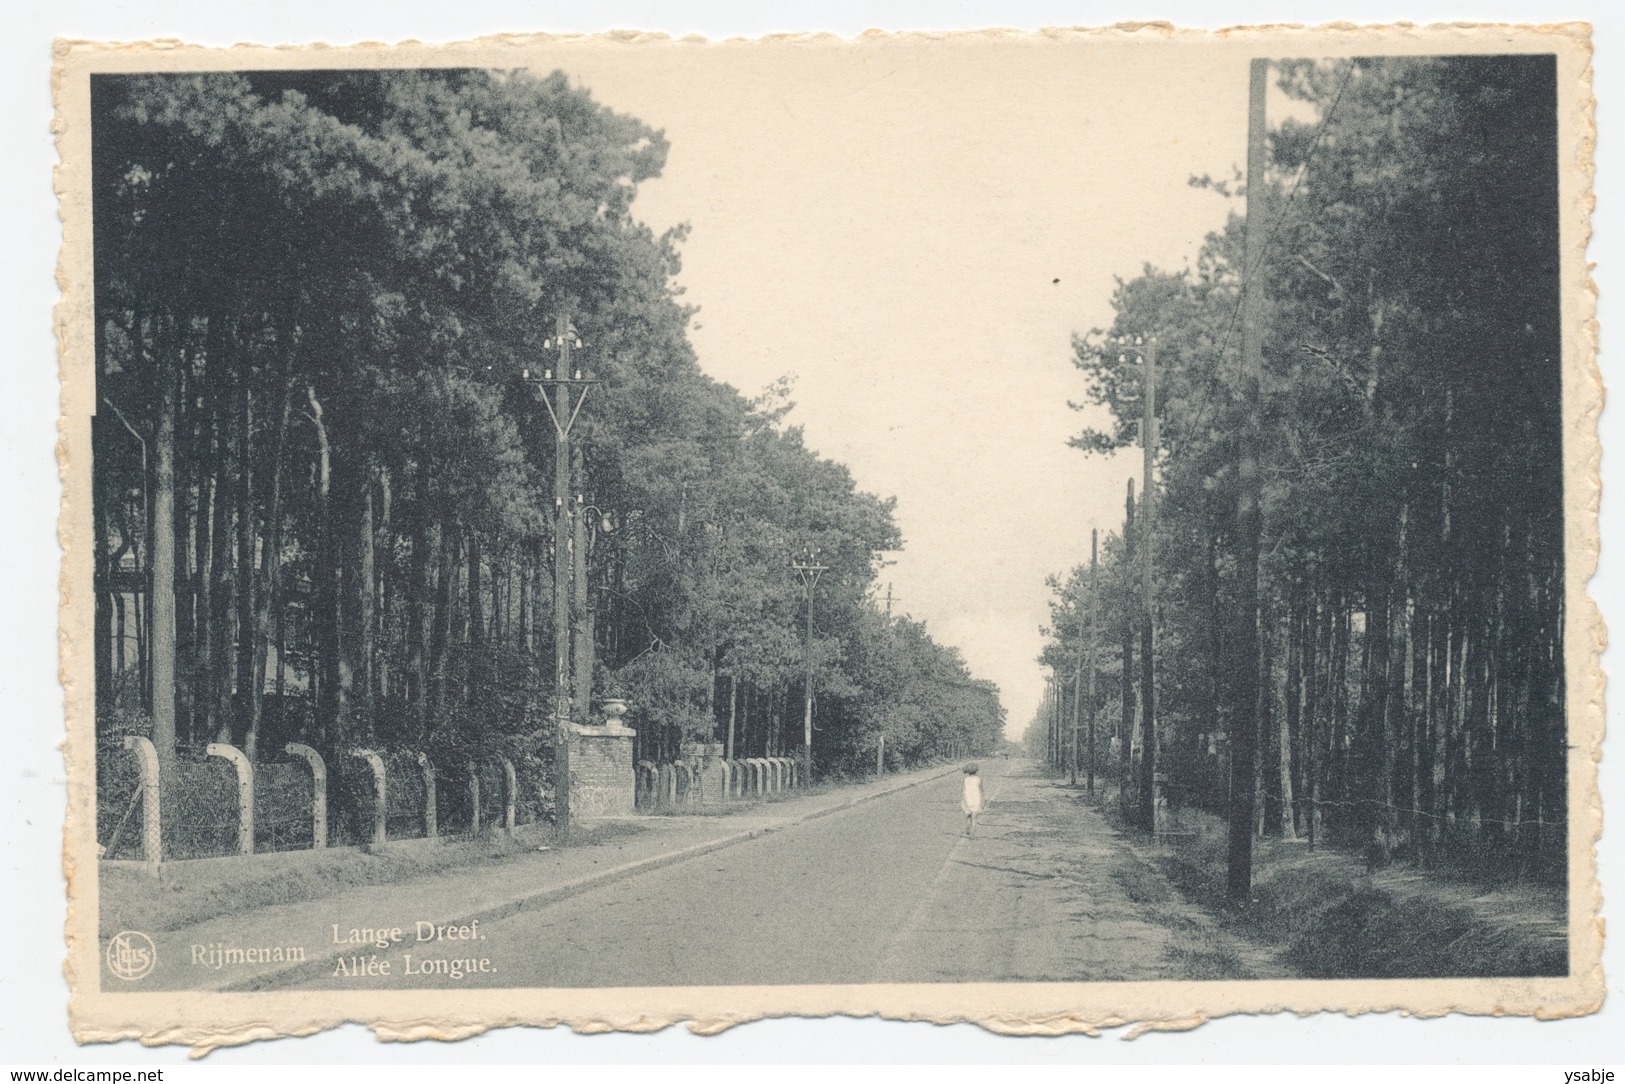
{"points": [[603, 779]]}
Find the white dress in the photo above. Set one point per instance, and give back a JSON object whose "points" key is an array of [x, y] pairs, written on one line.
{"points": [[970, 799]]}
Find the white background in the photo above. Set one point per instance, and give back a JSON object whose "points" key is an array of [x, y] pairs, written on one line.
{"points": [[33, 1026]]}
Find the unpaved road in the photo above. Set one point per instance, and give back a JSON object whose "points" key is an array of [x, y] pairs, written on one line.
{"points": [[887, 891]]}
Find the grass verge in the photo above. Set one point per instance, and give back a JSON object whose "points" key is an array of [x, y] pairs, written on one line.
{"points": [[184, 893], [1331, 917]]}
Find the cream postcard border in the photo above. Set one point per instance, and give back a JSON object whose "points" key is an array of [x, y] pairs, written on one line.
{"points": [[209, 1020]]}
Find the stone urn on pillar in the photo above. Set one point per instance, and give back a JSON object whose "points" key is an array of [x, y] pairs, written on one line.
{"points": [[613, 707]]}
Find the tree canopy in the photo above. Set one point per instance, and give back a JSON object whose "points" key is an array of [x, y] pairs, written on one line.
{"points": [[322, 505], [1412, 573]]}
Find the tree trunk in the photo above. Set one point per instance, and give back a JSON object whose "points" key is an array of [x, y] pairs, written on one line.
{"points": [[1378, 728], [163, 575], [221, 656], [1266, 800], [1289, 718], [440, 639], [1125, 779], [270, 588], [331, 704], [1342, 619], [363, 604], [417, 590], [733, 714], [580, 604], [248, 624], [103, 567], [1317, 647]]}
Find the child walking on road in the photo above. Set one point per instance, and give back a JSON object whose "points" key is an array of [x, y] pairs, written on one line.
{"points": [[970, 798]]}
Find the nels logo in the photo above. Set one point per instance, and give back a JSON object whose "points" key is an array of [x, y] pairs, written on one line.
{"points": [[131, 955]]}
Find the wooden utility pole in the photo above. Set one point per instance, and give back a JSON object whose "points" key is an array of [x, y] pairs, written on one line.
{"points": [[1077, 704], [563, 414], [808, 568], [1244, 742], [1094, 613], [561, 585], [1148, 520]]}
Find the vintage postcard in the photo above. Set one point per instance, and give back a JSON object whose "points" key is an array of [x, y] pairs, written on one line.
{"points": [[1052, 530]]}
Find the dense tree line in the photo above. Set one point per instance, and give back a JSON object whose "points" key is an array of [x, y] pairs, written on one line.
{"points": [[321, 485], [1412, 582]]}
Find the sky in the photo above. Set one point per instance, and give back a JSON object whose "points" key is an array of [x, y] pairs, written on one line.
{"points": [[913, 233]]}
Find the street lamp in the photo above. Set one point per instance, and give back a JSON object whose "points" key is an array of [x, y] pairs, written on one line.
{"points": [[807, 567]]}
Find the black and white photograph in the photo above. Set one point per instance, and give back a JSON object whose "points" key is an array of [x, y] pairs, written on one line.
{"points": [[1033, 529]]}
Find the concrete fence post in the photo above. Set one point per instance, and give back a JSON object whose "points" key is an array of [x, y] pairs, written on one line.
{"points": [[431, 820], [380, 813], [682, 782], [245, 791], [727, 779], [647, 778], [146, 760], [318, 794], [758, 772], [510, 795], [795, 772]]}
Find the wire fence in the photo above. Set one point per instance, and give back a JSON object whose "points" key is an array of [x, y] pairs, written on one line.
{"points": [[119, 813], [283, 797], [406, 798], [201, 814], [352, 801]]}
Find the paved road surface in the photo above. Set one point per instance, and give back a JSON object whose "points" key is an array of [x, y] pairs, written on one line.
{"points": [[887, 891]]}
